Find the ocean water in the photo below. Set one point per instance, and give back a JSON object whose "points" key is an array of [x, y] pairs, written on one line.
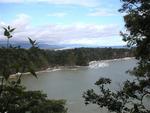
{"points": [[70, 84]]}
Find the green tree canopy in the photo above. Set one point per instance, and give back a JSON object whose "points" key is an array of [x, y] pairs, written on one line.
{"points": [[14, 98], [131, 98]]}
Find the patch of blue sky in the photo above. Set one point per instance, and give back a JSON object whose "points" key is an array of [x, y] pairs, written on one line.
{"points": [[42, 14]]}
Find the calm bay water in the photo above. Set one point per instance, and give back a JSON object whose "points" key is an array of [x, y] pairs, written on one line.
{"points": [[70, 84]]}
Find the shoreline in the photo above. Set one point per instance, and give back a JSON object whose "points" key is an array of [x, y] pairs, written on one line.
{"points": [[105, 63], [57, 68], [52, 69], [110, 60]]}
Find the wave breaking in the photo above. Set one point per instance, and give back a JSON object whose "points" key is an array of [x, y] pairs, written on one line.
{"points": [[105, 63]]}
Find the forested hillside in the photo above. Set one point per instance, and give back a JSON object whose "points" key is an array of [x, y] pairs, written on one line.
{"points": [[82, 56], [42, 59]]}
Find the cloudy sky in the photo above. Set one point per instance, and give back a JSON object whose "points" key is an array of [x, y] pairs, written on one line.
{"points": [[85, 22]]}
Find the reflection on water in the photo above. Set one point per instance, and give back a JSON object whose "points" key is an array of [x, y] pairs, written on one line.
{"points": [[70, 84]]}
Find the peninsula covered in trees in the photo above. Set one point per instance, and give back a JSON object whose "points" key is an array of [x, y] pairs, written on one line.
{"points": [[82, 56], [42, 59]]}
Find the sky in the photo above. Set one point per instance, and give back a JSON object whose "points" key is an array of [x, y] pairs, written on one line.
{"points": [[59, 22]]}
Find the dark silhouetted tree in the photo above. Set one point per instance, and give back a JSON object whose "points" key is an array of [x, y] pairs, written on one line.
{"points": [[14, 98], [131, 98]]}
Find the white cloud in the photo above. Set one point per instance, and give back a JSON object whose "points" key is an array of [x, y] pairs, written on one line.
{"points": [[88, 3], [64, 34], [58, 14], [21, 22], [102, 12]]}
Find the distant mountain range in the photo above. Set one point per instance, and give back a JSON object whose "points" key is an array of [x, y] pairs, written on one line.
{"points": [[28, 45], [51, 46]]}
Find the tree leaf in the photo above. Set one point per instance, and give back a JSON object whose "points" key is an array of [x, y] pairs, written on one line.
{"points": [[32, 72], [8, 27], [6, 32], [12, 29]]}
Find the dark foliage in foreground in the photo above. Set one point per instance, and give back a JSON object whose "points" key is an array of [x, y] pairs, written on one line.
{"points": [[131, 98], [14, 98]]}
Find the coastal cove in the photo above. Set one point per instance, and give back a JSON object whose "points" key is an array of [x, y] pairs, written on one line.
{"points": [[75, 56], [70, 83], [91, 64]]}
